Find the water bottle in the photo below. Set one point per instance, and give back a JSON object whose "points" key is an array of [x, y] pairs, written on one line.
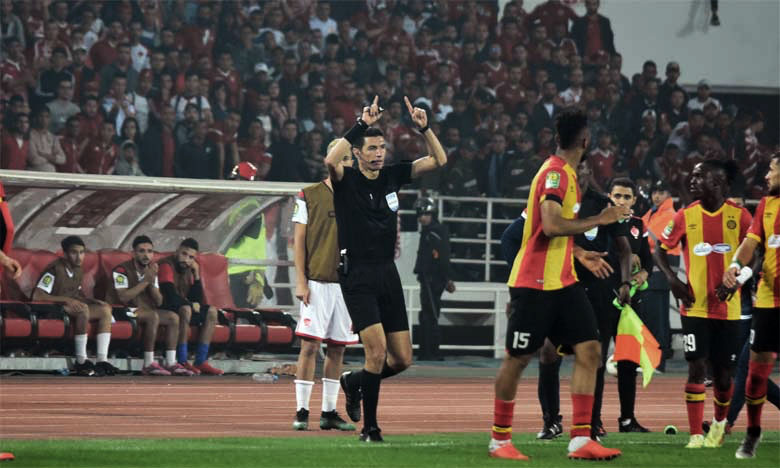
{"points": [[265, 378]]}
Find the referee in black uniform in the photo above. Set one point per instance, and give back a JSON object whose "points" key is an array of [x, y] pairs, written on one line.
{"points": [[366, 202]]}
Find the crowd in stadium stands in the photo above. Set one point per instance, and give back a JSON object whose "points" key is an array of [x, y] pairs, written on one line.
{"points": [[190, 88]]}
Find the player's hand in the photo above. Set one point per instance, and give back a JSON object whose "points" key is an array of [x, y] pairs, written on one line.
{"points": [[372, 113], [302, 293], [681, 292], [613, 214], [195, 267], [12, 266], [595, 263], [74, 305], [150, 272], [419, 117], [450, 287], [624, 294], [730, 278]]}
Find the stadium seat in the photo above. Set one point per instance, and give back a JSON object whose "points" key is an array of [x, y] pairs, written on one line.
{"points": [[276, 327]]}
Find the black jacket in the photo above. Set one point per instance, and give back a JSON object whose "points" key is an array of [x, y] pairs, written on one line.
{"points": [[433, 253], [579, 33]]}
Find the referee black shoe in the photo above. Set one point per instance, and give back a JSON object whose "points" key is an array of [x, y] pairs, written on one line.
{"points": [[352, 396], [103, 368], [371, 434], [631, 425], [551, 430], [85, 369]]}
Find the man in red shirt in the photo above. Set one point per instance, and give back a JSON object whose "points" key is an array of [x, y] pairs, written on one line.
{"points": [[227, 73], [15, 146], [91, 119], [99, 157], [551, 13], [253, 150], [104, 51], [15, 76], [199, 38], [593, 34], [71, 145]]}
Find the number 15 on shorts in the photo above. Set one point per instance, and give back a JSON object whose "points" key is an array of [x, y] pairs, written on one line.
{"points": [[520, 340]]}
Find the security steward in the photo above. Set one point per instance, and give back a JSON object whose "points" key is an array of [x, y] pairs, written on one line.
{"points": [[366, 203], [432, 268]]}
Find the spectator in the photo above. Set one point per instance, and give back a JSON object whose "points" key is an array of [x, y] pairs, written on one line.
{"points": [[99, 156], [50, 79], [616, 66], [521, 169], [494, 68], [248, 54], [684, 134], [116, 104], [252, 149], [138, 51], [670, 84], [129, 132], [322, 21], [648, 100], [314, 156], [498, 160], [139, 100], [91, 119], [123, 66], [552, 13], [199, 38], [571, 96], [547, 108], [703, 97], [184, 129], [71, 145], [198, 158], [158, 145], [225, 135], [226, 73], [15, 76], [127, 164], [649, 70], [675, 109], [45, 150], [44, 48], [15, 144], [191, 95], [287, 162], [83, 75], [10, 24], [105, 51], [593, 34], [602, 161], [62, 109]]}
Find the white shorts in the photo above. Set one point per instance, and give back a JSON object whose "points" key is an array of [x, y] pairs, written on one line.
{"points": [[326, 317]]}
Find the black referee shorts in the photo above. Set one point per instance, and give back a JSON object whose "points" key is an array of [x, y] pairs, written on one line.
{"points": [[564, 315], [373, 294]]}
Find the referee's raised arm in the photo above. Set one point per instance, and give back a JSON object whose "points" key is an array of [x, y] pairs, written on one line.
{"points": [[371, 114], [436, 156]]}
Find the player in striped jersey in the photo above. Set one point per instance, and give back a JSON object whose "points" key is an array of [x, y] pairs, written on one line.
{"points": [[547, 301], [710, 230], [764, 339]]}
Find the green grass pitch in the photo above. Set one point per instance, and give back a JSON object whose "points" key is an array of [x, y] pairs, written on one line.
{"points": [[424, 450]]}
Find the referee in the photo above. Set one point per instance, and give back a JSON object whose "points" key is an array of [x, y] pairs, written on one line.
{"points": [[366, 203]]}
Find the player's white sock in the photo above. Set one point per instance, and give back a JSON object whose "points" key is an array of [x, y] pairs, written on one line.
{"points": [[148, 358], [497, 444], [103, 339], [577, 443], [303, 390], [80, 341], [330, 394], [170, 357]]}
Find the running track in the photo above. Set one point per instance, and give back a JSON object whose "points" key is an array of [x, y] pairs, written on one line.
{"points": [[156, 407]]}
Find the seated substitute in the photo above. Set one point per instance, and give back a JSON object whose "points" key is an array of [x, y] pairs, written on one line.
{"points": [[136, 286], [179, 277], [61, 282]]}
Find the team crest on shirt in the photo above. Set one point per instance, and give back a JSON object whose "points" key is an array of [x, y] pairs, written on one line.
{"points": [[553, 180], [731, 224], [668, 229]]}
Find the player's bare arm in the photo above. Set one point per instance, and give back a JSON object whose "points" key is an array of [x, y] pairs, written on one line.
{"points": [[370, 116], [436, 156], [10, 264], [624, 257], [743, 256], [680, 290], [299, 248], [555, 225]]}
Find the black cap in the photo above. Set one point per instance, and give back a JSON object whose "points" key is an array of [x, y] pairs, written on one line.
{"points": [[659, 186]]}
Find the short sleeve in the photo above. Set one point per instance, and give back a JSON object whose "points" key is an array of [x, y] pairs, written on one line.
{"points": [[555, 182], [46, 281], [120, 278], [300, 211], [674, 231], [165, 273], [756, 230], [401, 173], [745, 223]]}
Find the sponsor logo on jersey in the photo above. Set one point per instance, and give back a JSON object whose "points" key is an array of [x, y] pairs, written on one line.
{"points": [[702, 249], [721, 248], [773, 241]]}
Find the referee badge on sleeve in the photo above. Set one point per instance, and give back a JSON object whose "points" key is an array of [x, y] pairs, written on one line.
{"points": [[392, 201]]}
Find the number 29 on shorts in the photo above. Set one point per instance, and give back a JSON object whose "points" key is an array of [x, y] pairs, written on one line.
{"points": [[520, 340]]}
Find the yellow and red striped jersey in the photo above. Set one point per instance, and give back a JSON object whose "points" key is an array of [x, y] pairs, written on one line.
{"points": [[709, 241], [543, 262], [766, 230]]}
